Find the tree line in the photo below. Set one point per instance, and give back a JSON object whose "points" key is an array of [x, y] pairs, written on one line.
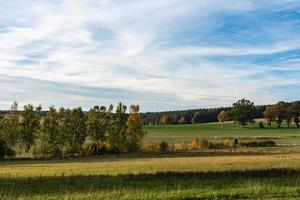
{"points": [[71, 131], [243, 112], [193, 116]]}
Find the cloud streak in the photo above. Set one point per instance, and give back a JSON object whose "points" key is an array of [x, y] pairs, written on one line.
{"points": [[161, 54]]}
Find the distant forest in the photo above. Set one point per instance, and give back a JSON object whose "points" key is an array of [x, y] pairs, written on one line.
{"points": [[193, 116]]}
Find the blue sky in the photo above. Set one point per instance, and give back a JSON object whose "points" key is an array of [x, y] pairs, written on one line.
{"points": [[161, 54]]}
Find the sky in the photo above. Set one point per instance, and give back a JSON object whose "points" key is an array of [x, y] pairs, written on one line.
{"points": [[160, 54]]}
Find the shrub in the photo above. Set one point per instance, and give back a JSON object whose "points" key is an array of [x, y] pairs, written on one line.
{"points": [[3, 148], [89, 148], [261, 124], [179, 147], [267, 143], [171, 147], [226, 143], [195, 144], [163, 146], [150, 147], [5, 151], [204, 143]]}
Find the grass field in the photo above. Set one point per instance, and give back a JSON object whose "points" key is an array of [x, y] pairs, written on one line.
{"points": [[185, 175], [180, 133], [206, 177]]}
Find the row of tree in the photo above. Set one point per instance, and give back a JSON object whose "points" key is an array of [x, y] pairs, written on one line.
{"points": [[66, 130], [193, 116], [243, 112]]}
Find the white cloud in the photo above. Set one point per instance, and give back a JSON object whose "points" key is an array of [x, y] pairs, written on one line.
{"points": [[53, 41]]}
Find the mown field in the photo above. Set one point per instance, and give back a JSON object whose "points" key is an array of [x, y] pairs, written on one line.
{"points": [[201, 177], [180, 133], [177, 175]]}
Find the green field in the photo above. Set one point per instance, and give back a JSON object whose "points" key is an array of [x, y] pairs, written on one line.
{"points": [[201, 177], [180, 133], [236, 174]]}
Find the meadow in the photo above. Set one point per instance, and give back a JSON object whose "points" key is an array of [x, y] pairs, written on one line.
{"points": [[121, 177], [177, 175], [180, 133]]}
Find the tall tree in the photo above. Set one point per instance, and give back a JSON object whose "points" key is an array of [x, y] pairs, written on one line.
{"points": [[242, 111], [289, 115], [280, 112], [97, 124], [30, 125], [270, 114], [11, 131], [222, 117], [296, 112], [78, 128], [135, 132], [52, 141], [117, 136]]}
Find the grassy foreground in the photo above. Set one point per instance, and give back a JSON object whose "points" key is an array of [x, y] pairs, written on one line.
{"points": [[204, 177]]}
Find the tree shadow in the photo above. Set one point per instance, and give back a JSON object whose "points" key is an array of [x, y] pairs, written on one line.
{"points": [[158, 181]]}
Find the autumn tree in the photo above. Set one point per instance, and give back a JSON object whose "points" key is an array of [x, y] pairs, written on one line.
{"points": [[222, 117], [117, 131], [97, 124], [165, 119], [135, 132], [242, 111], [270, 114], [30, 125]]}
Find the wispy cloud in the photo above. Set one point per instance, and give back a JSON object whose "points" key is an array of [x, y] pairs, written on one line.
{"points": [[162, 54]]}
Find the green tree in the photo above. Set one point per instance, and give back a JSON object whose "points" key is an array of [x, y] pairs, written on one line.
{"points": [[222, 117], [97, 124], [11, 132], [289, 115], [52, 140], [270, 114], [117, 135], [77, 134], [135, 132], [296, 112], [242, 111], [280, 112], [30, 125]]}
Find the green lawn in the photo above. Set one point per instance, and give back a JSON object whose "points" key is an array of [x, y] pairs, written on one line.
{"points": [[180, 133]]}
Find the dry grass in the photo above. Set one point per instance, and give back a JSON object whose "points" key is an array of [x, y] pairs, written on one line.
{"points": [[114, 166]]}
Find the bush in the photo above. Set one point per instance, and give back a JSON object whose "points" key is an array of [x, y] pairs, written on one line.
{"points": [[268, 143], [179, 147], [261, 125], [150, 147], [171, 147], [204, 143], [226, 143], [195, 144], [5, 151], [3, 148], [163, 146]]}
